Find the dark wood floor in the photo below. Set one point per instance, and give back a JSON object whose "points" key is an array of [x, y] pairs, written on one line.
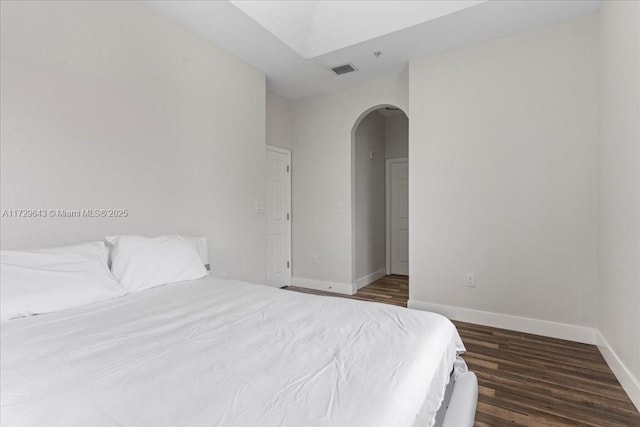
{"points": [[390, 290], [524, 379]]}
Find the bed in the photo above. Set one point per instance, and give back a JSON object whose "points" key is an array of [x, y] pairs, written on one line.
{"points": [[227, 353]]}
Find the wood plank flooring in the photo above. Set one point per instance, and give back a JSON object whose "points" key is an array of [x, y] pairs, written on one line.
{"points": [[390, 290], [524, 379]]}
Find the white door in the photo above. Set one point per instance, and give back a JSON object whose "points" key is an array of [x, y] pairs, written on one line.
{"points": [[278, 216], [398, 216]]}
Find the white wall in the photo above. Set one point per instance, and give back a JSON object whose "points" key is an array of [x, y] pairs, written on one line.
{"points": [[322, 167], [503, 180], [619, 185], [397, 136], [278, 121], [370, 224], [108, 105]]}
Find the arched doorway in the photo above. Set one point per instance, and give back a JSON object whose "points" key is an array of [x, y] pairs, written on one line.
{"points": [[379, 194]]}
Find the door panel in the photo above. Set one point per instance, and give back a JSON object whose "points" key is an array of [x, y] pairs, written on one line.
{"points": [[399, 210], [277, 209]]}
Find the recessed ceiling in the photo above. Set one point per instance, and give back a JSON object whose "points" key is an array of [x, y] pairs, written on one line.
{"points": [[293, 75], [312, 28]]}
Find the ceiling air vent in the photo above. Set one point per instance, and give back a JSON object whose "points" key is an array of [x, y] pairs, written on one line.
{"points": [[344, 69]]}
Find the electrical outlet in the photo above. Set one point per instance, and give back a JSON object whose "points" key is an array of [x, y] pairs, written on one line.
{"points": [[314, 259], [471, 280]]}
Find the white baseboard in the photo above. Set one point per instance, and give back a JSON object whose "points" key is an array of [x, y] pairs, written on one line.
{"points": [[370, 278], [629, 383], [321, 285], [271, 285], [563, 331], [583, 334]]}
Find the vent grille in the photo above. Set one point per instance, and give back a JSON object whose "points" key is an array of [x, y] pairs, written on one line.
{"points": [[344, 69]]}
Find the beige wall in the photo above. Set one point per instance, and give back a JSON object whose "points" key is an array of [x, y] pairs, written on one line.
{"points": [[370, 202], [397, 137], [322, 179], [503, 180], [278, 121], [619, 185], [108, 105]]}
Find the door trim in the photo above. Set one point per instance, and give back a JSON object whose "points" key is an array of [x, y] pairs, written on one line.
{"points": [[387, 173], [279, 150], [288, 154]]}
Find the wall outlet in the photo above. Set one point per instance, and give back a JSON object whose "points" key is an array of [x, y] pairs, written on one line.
{"points": [[471, 280], [314, 259]]}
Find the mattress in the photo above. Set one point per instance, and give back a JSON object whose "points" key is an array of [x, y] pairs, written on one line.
{"points": [[226, 353]]}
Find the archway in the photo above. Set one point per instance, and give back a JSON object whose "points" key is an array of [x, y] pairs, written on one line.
{"points": [[379, 195]]}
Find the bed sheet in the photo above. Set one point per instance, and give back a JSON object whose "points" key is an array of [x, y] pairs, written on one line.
{"points": [[226, 353]]}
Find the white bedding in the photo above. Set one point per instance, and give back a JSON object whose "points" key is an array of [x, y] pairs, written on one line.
{"points": [[225, 353]]}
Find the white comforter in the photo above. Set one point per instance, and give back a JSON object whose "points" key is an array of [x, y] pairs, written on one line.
{"points": [[224, 353]]}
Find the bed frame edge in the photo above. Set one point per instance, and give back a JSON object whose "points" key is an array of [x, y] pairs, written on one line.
{"points": [[461, 411]]}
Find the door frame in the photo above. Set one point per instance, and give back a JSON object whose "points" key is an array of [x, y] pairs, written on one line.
{"points": [[288, 205], [387, 172]]}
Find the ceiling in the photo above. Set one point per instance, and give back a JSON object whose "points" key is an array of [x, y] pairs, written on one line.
{"points": [[295, 43], [313, 28]]}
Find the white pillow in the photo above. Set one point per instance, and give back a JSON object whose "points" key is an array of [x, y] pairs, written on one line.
{"points": [[200, 243], [145, 262], [55, 279]]}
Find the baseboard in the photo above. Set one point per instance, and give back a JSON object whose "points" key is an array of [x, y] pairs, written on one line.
{"points": [[563, 331], [629, 383], [321, 285], [370, 278]]}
